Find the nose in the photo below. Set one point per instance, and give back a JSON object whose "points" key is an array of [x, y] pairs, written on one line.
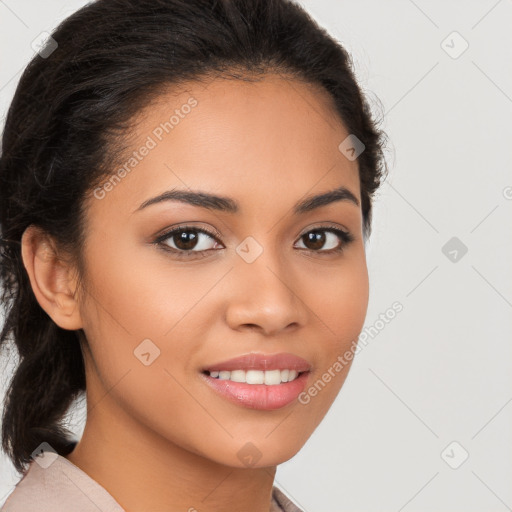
{"points": [[264, 297]]}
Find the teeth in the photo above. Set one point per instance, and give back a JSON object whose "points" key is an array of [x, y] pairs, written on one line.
{"points": [[237, 376], [268, 377], [272, 377]]}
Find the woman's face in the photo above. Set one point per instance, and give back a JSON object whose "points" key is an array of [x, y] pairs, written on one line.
{"points": [[256, 281]]}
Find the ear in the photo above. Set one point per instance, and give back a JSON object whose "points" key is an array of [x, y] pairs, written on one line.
{"points": [[51, 278]]}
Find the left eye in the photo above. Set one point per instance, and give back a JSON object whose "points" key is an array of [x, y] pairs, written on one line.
{"points": [[318, 238]]}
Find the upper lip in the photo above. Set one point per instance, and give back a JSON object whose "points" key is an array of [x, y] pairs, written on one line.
{"points": [[255, 361]]}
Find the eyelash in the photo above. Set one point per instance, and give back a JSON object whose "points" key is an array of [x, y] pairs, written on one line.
{"points": [[345, 236]]}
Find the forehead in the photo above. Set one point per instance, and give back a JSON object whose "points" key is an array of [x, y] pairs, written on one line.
{"points": [[255, 141]]}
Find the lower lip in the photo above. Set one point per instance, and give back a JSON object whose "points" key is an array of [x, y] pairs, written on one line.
{"points": [[259, 396]]}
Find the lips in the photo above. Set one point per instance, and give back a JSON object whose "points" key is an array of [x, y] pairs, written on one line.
{"points": [[255, 361], [252, 368]]}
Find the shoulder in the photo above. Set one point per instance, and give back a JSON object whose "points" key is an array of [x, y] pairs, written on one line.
{"points": [[281, 502], [63, 486], [59, 486]]}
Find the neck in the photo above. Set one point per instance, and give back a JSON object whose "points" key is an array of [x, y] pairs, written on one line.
{"points": [[144, 471]]}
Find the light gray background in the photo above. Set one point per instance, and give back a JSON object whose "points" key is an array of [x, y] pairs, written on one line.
{"points": [[440, 371]]}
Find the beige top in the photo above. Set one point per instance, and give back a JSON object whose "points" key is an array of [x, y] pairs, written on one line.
{"points": [[62, 486]]}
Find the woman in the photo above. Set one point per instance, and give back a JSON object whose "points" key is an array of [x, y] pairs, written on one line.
{"points": [[186, 192]]}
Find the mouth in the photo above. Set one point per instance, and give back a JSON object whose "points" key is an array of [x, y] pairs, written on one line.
{"points": [[259, 381], [253, 377]]}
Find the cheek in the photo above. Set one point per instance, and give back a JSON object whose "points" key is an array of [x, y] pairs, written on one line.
{"points": [[137, 297], [340, 306], [128, 302], [138, 292], [339, 299]]}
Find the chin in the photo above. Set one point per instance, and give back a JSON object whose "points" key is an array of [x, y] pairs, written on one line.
{"points": [[259, 453]]}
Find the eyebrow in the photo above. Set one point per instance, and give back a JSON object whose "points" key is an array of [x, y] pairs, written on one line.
{"points": [[228, 205]]}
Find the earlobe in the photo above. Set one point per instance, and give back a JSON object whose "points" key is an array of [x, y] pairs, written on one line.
{"points": [[50, 278]]}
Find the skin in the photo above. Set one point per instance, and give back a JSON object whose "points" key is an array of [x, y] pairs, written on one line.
{"points": [[156, 437]]}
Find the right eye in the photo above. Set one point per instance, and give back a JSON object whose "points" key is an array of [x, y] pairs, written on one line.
{"points": [[185, 240]]}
